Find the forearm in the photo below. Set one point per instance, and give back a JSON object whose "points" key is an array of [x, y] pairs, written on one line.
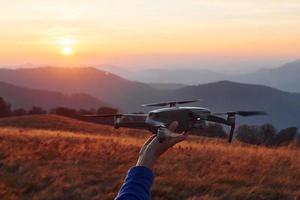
{"points": [[137, 184]]}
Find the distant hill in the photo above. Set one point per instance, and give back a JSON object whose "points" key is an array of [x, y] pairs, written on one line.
{"points": [[100, 84], [20, 97], [283, 107], [286, 77], [167, 86], [180, 76]]}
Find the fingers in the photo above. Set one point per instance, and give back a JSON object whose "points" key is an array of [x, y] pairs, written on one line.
{"points": [[178, 139], [146, 143], [173, 126], [149, 140]]}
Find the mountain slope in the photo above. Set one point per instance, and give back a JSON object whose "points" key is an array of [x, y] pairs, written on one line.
{"points": [[286, 77], [180, 76], [103, 85], [166, 86], [20, 97], [283, 107]]}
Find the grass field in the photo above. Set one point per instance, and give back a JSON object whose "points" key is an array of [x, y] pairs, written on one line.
{"points": [[52, 157]]}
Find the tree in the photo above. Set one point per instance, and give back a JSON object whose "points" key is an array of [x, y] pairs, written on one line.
{"points": [[214, 130], [249, 134], [64, 111], [107, 111], [19, 112], [36, 111], [285, 136], [85, 112], [5, 108], [267, 134]]}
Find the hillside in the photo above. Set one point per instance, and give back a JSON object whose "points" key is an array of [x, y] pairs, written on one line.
{"points": [[180, 76], [61, 123], [166, 86], [285, 77], [53, 122], [21, 97], [100, 84], [283, 107], [53, 164]]}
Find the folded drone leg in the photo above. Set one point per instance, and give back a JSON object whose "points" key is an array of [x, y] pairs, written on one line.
{"points": [[231, 133]]}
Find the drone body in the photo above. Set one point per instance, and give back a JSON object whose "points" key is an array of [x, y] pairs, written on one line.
{"points": [[188, 118]]}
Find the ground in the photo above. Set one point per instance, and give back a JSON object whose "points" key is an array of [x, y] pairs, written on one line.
{"points": [[51, 157]]}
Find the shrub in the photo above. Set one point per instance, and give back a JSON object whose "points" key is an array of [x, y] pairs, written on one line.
{"points": [[106, 110], [286, 136], [64, 111], [19, 112], [37, 111], [249, 134], [215, 130], [5, 108], [267, 134]]}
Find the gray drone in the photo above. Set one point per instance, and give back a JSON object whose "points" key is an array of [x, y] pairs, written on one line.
{"points": [[188, 118]]}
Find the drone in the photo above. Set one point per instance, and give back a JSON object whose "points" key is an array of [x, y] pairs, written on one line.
{"points": [[188, 118]]}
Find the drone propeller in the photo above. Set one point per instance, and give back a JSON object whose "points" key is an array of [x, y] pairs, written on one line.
{"points": [[243, 113], [108, 115], [116, 115], [171, 103]]}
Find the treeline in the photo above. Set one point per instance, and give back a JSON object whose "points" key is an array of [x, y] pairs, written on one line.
{"points": [[7, 111], [265, 134]]}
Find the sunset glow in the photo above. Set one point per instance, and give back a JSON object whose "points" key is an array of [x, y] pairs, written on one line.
{"points": [[67, 51], [106, 31]]}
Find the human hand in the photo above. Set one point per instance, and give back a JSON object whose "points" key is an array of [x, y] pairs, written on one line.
{"points": [[153, 148]]}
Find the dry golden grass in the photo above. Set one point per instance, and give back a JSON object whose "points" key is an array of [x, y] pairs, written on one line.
{"points": [[76, 163]]}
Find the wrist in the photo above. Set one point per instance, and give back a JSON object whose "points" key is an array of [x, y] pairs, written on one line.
{"points": [[142, 161]]}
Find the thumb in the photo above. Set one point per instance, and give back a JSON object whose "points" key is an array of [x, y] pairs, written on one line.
{"points": [[173, 126]]}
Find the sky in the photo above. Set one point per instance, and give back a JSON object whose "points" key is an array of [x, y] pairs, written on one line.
{"points": [[221, 35]]}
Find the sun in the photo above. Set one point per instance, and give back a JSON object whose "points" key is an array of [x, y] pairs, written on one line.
{"points": [[67, 51]]}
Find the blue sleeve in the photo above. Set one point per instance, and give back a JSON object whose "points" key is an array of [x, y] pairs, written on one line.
{"points": [[137, 184]]}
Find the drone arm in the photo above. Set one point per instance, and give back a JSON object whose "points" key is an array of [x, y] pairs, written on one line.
{"points": [[217, 119], [228, 122]]}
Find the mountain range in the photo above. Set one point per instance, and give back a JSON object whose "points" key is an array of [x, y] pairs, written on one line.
{"points": [[100, 86], [286, 77], [105, 86]]}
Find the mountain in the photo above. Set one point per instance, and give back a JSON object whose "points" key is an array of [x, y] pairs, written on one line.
{"points": [[181, 76], [286, 77], [20, 97], [283, 107], [167, 86], [100, 84]]}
